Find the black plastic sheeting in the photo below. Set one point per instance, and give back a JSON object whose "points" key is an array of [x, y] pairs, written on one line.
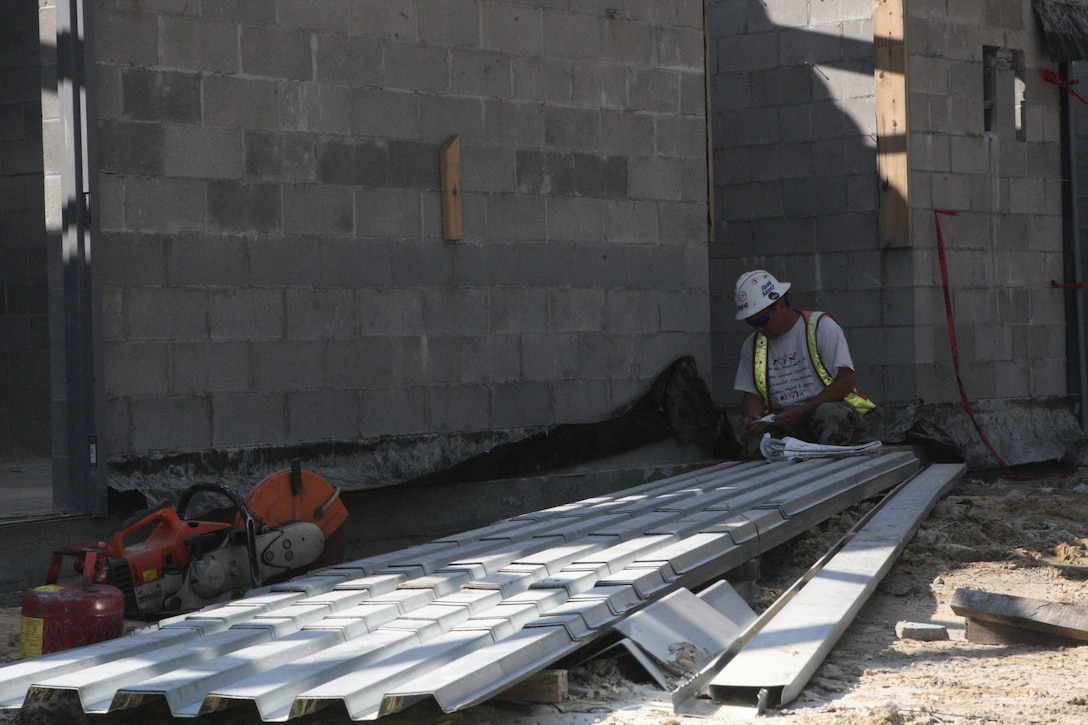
{"points": [[678, 404]]}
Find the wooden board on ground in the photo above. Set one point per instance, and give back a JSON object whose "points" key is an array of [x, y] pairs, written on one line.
{"points": [[1053, 618]]}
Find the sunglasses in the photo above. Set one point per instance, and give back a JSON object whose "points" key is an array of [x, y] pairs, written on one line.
{"points": [[764, 318]]}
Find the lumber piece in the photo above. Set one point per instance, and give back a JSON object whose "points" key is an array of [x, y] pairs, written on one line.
{"points": [[547, 686], [1058, 618], [982, 632]]}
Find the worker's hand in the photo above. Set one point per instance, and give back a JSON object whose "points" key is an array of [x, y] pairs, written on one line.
{"points": [[792, 417], [753, 424]]}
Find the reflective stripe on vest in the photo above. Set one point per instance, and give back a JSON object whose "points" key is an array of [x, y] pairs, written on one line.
{"points": [[759, 365]]}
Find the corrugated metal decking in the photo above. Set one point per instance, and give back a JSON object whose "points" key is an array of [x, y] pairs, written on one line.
{"points": [[458, 619]]}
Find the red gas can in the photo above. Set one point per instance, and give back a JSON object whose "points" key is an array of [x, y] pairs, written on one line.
{"points": [[61, 616]]}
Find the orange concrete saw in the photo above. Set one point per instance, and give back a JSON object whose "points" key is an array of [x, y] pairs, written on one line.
{"points": [[165, 563]]}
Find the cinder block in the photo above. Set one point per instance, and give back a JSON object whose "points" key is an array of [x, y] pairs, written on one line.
{"points": [[631, 221], [322, 415], [520, 404], [577, 310], [240, 207], [453, 23], [392, 412], [546, 264], [754, 51], [571, 36], [605, 357], [544, 172], [132, 369], [604, 266], [656, 268], [654, 178], [572, 128], [341, 58], [430, 360], [549, 356], [286, 365], [600, 85], [417, 67], [276, 52], [632, 311], [579, 401], [126, 38], [681, 136], [280, 157], [685, 311], [390, 19], [455, 311], [656, 91], [346, 262], [200, 260], [427, 262], [387, 312], [314, 14], [133, 260], [250, 419], [383, 112], [517, 310], [316, 107], [199, 44], [517, 125], [546, 80], [574, 219], [351, 164], [170, 423], [361, 363], [601, 176], [414, 165], [480, 73], [487, 168], [131, 148], [164, 205], [313, 209], [249, 103], [442, 116], [392, 213], [487, 264], [214, 367], [512, 28], [246, 314], [276, 262], [107, 93], [511, 217], [921, 631], [460, 408], [490, 358], [679, 48], [320, 314], [627, 134], [202, 152], [250, 12], [626, 42]]}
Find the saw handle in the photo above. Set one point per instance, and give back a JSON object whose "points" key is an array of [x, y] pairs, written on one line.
{"points": [[243, 512]]}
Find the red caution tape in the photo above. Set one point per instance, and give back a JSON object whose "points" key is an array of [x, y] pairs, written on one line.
{"points": [[1051, 77]]}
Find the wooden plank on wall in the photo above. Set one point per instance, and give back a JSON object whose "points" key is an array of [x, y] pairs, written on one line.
{"points": [[453, 228], [892, 140]]}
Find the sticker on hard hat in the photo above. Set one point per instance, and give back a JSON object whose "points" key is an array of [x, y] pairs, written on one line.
{"points": [[742, 296], [772, 296], [767, 288]]}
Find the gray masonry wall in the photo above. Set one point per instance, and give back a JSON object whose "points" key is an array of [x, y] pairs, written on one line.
{"points": [[24, 295], [795, 192], [274, 269], [1005, 246]]}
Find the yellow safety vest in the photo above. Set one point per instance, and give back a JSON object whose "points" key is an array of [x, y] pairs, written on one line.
{"points": [[759, 367]]}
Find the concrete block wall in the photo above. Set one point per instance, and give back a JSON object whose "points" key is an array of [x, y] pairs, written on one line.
{"points": [[274, 268], [1006, 244], [24, 287], [795, 192], [793, 102]]}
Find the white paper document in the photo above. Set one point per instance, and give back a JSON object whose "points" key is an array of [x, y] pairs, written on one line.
{"points": [[789, 448]]}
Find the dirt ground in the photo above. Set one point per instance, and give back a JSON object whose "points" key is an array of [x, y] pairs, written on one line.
{"points": [[1023, 537]]}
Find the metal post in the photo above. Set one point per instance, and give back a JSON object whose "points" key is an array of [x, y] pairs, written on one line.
{"points": [[83, 489]]}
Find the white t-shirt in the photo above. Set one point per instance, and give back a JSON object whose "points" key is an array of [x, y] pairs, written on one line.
{"points": [[791, 377]]}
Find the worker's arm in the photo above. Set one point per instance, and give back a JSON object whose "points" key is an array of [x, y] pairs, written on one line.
{"points": [[751, 410], [839, 388]]}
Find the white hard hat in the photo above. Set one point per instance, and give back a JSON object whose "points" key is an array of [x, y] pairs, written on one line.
{"points": [[756, 291]]}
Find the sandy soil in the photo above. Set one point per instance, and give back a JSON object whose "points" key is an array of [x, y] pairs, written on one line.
{"points": [[1028, 538]]}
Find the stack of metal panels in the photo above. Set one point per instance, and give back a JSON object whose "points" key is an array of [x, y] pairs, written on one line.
{"points": [[462, 618]]}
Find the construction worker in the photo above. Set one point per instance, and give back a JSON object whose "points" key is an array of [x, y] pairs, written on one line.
{"points": [[795, 370]]}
